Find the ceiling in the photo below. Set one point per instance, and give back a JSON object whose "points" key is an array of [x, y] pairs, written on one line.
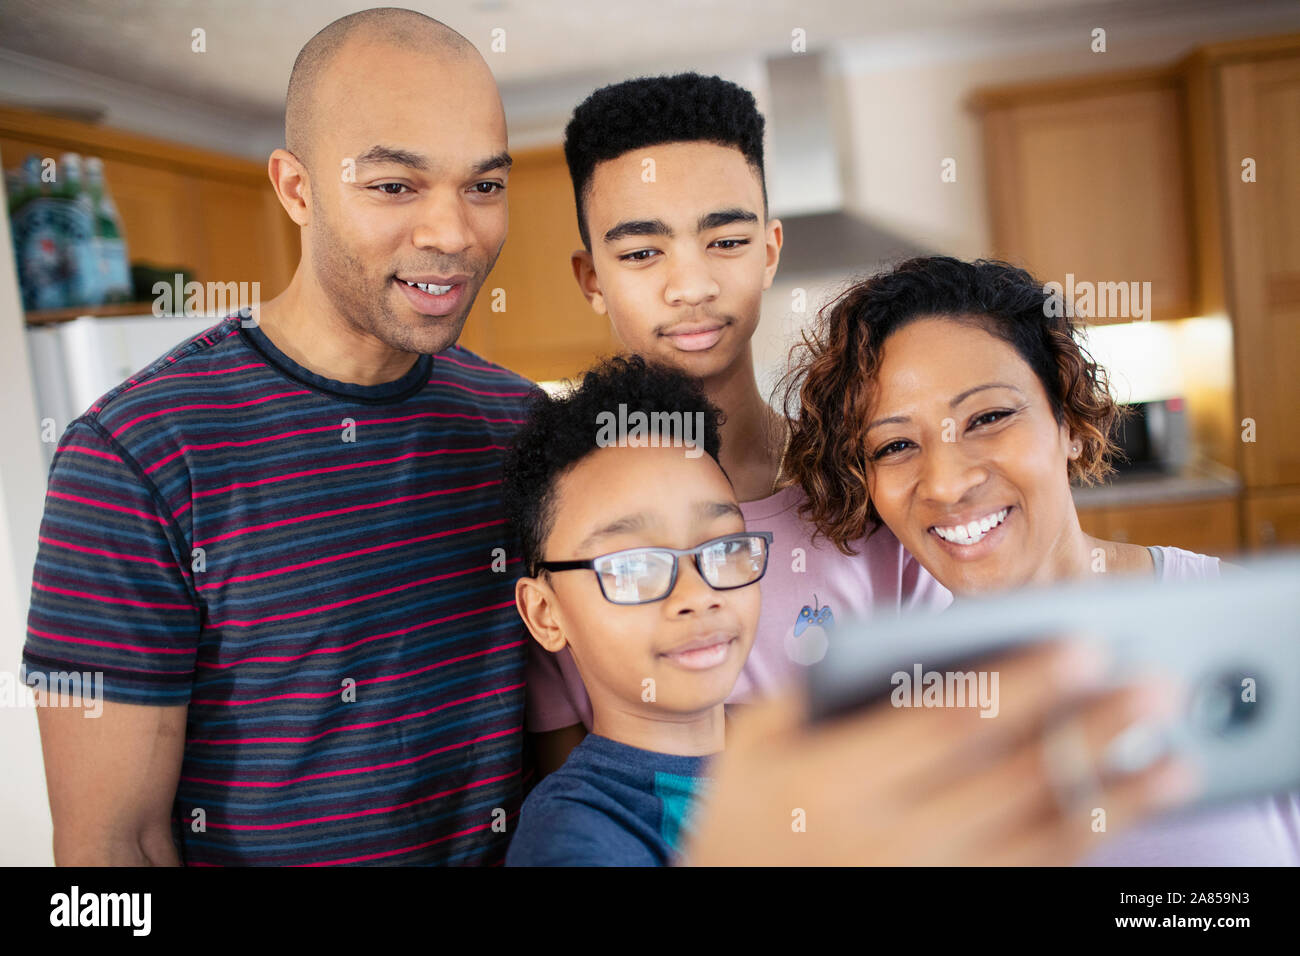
{"points": [[251, 45]]}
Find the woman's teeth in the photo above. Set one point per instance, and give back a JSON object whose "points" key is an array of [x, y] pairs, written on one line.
{"points": [[431, 289], [973, 532]]}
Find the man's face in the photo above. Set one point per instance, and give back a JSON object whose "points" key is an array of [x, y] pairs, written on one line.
{"points": [[408, 176], [693, 643], [680, 253]]}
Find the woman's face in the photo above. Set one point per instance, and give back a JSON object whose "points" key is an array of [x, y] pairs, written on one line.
{"points": [[968, 467]]}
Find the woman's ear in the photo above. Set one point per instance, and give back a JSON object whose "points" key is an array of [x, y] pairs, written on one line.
{"points": [[539, 609], [1073, 443]]}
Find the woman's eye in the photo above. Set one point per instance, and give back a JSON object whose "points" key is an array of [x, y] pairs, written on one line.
{"points": [[893, 448], [390, 189], [641, 255], [988, 418]]}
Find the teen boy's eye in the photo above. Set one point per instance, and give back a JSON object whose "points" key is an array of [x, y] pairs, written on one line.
{"points": [[640, 255], [733, 243]]}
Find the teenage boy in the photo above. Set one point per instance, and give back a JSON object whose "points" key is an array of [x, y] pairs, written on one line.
{"points": [[654, 594], [677, 250]]}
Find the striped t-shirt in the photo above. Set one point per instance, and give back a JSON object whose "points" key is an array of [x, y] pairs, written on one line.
{"points": [[321, 571]]}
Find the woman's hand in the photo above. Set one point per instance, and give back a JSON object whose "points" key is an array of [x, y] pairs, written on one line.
{"points": [[938, 786]]}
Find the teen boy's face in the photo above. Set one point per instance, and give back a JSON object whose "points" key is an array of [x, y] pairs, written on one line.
{"points": [[680, 253], [693, 643]]}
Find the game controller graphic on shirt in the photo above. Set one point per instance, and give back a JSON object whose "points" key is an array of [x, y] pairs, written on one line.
{"points": [[814, 617], [811, 648]]}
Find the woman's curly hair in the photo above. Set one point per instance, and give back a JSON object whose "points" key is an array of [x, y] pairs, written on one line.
{"points": [[830, 383]]}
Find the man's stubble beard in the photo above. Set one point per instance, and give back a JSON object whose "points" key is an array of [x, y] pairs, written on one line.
{"points": [[363, 303]]}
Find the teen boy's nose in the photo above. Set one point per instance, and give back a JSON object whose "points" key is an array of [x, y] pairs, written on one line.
{"points": [[948, 473], [691, 594], [442, 225], [690, 281]]}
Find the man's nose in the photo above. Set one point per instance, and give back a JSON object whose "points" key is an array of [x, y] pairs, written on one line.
{"points": [[442, 225]]}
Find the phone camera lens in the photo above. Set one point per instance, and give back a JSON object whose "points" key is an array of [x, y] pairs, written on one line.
{"points": [[1225, 703]]}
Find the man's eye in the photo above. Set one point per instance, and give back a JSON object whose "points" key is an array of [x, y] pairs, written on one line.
{"points": [[731, 243], [491, 188], [391, 189], [893, 448], [641, 255]]}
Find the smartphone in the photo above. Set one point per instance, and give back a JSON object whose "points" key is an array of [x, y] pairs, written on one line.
{"points": [[1233, 643]]}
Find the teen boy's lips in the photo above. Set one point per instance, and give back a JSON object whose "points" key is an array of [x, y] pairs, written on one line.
{"points": [[433, 295], [703, 653], [696, 338]]}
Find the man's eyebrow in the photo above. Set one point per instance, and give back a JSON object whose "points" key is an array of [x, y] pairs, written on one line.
{"points": [[404, 157], [501, 160], [639, 227], [391, 154], [957, 400], [725, 217]]}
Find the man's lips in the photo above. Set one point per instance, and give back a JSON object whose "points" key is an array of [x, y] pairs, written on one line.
{"points": [[433, 295]]}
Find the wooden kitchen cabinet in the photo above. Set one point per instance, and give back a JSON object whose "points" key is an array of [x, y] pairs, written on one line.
{"points": [[1272, 520], [1207, 527], [547, 330], [1089, 178], [212, 214]]}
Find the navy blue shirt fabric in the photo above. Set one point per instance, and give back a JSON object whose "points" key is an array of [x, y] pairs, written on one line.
{"points": [[609, 805]]}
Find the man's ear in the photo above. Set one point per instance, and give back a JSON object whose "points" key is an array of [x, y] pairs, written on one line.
{"points": [[538, 607], [584, 270], [292, 185], [774, 239]]}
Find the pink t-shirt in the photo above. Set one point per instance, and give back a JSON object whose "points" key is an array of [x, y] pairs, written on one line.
{"points": [[1264, 831], [807, 588]]}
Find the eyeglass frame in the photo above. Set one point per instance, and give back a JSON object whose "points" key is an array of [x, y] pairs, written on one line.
{"points": [[677, 555]]}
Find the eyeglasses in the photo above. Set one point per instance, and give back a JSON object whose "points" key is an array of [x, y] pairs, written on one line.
{"points": [[645, 575]]}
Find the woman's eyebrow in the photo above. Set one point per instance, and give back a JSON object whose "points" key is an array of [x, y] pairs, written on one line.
{"points": [[979, 388]]}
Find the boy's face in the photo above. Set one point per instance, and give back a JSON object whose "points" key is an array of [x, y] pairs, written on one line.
{"points": [[692, 643], [680, 253]]}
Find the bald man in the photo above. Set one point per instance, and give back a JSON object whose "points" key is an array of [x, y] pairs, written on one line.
{"points": [[281, 544]]}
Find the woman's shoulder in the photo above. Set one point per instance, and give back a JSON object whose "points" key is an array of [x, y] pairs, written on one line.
{"points": [[1178, 564]]}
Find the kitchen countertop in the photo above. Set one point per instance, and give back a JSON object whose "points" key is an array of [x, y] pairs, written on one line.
{"points": [[1205, 479]]}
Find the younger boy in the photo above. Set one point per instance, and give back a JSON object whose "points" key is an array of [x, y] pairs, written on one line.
{"points": [[640, 564]]}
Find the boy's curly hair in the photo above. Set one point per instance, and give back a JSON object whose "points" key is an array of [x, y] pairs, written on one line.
{"points": [[560, 431], [830, 381]]}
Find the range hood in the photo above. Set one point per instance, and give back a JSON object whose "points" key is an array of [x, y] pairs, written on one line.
{"points": [[807, 167]]}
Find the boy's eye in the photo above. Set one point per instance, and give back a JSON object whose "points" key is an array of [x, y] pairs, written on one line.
{"points": [[640, 255], [731, 243]]}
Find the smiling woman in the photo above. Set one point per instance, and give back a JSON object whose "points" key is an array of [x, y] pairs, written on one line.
{"points": [[951, 402], [977, 406]]}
